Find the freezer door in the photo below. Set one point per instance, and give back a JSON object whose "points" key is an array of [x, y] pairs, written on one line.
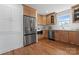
{"points": [[26, 40], [29, 39], [33, 38]]}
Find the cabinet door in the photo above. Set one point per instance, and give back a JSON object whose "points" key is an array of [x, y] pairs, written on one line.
{"points": [[61, 36], [26, 11], [40, 21], [44, 20], [32, 12], [57, 35], [48, 19], [72, 37], [45, 35], [64, 36], [77, 38], [52, 19]]}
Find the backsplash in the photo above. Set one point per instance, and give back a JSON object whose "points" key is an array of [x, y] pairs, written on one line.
{"points": [[65, 27], [42, 27]]}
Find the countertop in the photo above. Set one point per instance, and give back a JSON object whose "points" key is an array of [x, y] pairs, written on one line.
{"points": [[65, 30]]}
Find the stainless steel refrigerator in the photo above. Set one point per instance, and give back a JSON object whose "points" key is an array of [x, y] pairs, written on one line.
{"points": [[29, 30]]}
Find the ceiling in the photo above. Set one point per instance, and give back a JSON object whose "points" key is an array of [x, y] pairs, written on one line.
{"points": [[48, 8]]}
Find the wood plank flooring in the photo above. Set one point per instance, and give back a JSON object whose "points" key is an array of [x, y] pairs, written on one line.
{"points": [[46, 47]]}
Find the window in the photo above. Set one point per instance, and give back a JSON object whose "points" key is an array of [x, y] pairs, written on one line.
{"points": [[63, 19]]}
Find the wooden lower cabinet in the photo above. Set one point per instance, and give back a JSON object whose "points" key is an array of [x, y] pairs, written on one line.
{"points": [[64, 36], [40, 36], [74, 37], [77, 40], [67, 36], [61, 36], [57, 35], [43, 35]]}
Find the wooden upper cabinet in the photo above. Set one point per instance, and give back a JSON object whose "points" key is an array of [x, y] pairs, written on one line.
{"points": [[50, 18], [28, 11], [33, 12], [53, 19], [42, 19]]}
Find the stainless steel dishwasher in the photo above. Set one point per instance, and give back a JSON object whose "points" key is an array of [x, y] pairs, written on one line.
{"points": [[51, 35]]}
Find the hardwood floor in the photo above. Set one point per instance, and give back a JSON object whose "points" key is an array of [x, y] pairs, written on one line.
{"points": [[46, 47]]}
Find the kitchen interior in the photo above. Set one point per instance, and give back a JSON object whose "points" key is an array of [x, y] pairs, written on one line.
{"points": [[52, 23], [56, 25]]}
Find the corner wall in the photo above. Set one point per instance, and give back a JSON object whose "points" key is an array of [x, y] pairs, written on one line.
{"points": [[11, 27]]}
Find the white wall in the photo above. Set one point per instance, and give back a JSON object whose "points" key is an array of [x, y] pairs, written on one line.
{"points": [[11, 27]]}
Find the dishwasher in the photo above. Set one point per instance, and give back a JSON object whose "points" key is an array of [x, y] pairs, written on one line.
{"points": [[51, 35]]}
